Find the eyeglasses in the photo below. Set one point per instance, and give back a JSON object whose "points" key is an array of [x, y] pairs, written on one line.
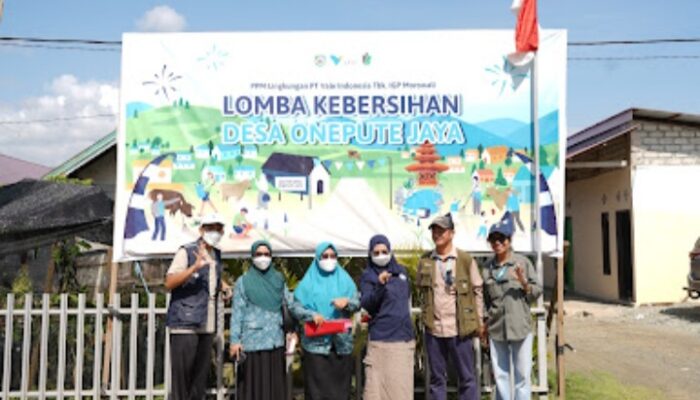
{"points": [[326, 256], [261, 254], [380, 252]]}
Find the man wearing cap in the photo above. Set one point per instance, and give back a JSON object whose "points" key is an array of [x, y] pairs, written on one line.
{"points": [[451, 298], [194, 280]]}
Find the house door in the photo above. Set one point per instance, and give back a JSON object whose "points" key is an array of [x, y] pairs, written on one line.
{"points": [[569, 260], [319, 187], [625, 271]]}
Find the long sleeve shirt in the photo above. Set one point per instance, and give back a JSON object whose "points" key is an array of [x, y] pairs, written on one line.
{"points": [[507, 303], [342, 343], [255, 327], [388, 306]]}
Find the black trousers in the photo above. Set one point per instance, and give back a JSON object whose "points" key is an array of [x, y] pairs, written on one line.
{"points": [[327, 377], [190, 361]]}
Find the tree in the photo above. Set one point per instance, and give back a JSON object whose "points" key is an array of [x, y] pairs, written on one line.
{"points": [[157, 142], [211, 147], [500, 179], [509, 161], [473, 168], [239, 159], [134, 144], [187, 105], [179, 102], [136, 113], [192, 149], [229, 172], [461, 153], [482, 164], [481, 149]]}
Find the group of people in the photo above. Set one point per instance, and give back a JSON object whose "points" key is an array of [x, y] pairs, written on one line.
{"points": [[459, 301]]}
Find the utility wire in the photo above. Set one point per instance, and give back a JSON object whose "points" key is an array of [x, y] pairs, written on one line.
{"points": [[636, 58], [59, 119], [118, 43]]}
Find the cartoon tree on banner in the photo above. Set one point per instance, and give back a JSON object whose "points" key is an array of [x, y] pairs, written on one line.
{"points": [[426, 167], [500, 179]]}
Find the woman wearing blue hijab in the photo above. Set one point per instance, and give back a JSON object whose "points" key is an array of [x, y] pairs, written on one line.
{"points": [[386, 295], [326, 292]]}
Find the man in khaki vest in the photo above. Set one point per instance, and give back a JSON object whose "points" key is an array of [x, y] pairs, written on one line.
{"points": [[452, 310]]}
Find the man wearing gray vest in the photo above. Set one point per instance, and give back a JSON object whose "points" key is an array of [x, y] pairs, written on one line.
{"points": [[451, 298], [194, 280]]}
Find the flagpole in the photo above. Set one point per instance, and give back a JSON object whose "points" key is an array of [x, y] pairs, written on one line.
{"points": [[541, 336]]}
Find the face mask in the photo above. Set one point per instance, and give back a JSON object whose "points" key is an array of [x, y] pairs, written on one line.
{"points": [[262, 263], [212, 238], [328, 264], [381, 260]]}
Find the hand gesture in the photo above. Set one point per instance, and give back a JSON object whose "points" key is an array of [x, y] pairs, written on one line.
{"points": [[318, 319], [202, 259], [384, 277], [520, 276], [340, 303], [235, 350]]}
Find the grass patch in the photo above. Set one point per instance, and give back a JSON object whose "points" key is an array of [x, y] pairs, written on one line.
{"points": [[601, 385]]}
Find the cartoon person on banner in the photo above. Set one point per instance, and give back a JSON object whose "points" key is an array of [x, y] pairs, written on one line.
{"points": [[241, 225], [158, 210], [204, 190]]}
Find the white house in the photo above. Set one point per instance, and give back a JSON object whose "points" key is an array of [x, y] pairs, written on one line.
{"points": [[244, 173], [184, 161], [223, 152], [250, 151], [201, 152], [632, 211], [455, 164]]}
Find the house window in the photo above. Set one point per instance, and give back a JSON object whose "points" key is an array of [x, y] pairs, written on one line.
{"points": [[605, 230]]}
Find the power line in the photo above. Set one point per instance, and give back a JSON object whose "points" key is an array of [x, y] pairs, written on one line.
{"points": [[53, 47], [59, 119], [63, 41], [634, 42], [636, 58], [117, 43]]}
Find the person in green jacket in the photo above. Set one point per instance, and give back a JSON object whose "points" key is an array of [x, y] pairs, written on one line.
{"points": [[510, 285]]}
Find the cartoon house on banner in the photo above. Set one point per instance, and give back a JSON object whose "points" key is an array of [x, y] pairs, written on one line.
{"points": [[297, 174]]}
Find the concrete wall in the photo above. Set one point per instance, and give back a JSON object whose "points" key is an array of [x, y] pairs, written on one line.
{"points": [[666, 215], [102, 171], [587, 199]]}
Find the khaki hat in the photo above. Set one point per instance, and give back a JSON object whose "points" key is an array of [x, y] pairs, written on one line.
{"points": [[443, 221]]}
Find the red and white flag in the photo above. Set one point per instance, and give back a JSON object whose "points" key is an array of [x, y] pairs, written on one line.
{"points": [[527, 38]]}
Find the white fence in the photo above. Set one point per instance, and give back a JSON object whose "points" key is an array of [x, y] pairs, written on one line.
{"points": [[50, 346], [45, 354]]}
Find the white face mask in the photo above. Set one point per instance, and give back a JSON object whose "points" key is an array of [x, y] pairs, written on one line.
{"points": [[381, 260], [328, 264], [212, 238], [262, 263]]}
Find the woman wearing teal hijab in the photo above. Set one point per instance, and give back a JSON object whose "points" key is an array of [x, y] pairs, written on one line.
{"points": [[257, 328], [326, 292]]}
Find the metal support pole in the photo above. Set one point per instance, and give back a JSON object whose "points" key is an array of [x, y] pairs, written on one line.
{"points": [[541, 334]]}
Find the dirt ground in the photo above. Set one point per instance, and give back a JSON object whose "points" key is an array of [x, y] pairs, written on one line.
{"points": [[657, 347]]}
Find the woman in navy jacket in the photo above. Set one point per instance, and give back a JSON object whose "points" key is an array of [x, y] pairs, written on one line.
{"points": [[386, 296]]}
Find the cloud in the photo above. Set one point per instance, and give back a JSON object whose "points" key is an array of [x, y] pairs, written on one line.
{"points": [[161, 19], [69, 117]]}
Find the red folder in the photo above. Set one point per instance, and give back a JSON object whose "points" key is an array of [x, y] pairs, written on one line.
{"points": [[328, 327]]}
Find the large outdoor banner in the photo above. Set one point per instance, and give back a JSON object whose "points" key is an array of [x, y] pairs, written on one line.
{"points": [[302, 137]]}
